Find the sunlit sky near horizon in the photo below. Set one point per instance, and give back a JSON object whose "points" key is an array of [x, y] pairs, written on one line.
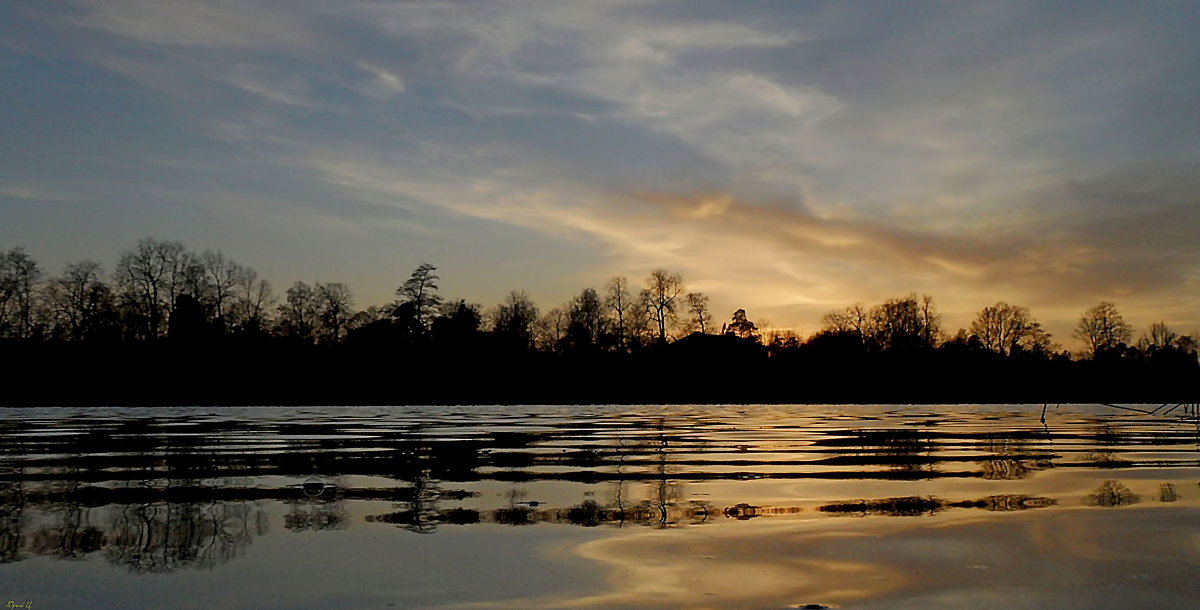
{"points": [[784, 157]]}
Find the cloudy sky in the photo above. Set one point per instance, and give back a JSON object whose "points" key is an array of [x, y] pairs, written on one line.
{"points": [[785, 157]]}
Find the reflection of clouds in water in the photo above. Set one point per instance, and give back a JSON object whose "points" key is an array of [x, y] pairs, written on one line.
{"points": [[737, 570]]}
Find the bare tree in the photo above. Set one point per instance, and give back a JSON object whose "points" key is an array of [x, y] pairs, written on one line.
{"points": [[618, 299], [699, 315], [552, 329], [853, 319], [1102, 328], [639, 324], [334, 310], [585, 315], [18, 275], [1158, 337], [221, 277], [931, 322], [150, 277], [298, 315], [905, 323], [1002, 327], [254, 298], [662, 291], [515, 319], [77, 299]]}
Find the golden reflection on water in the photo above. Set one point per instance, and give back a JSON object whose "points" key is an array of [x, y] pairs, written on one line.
{"points": [[902, 563], [744, 566]]}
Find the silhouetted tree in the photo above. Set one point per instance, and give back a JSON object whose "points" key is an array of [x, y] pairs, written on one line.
{"points": [[514, 320], [740, 326], [639, 324], [1158, 337], [853, 319], [618, 299], [334, 310], [298, 315], [187, 322], [79, 301], [660, 298], [780, 341], [1005, 328], [149, 278], [905, 323], [551, 329], [585, 320], [457, 324], [18, 275], [699, 315], [253, 302], [420, 291], [1102, 329], [368, 316], [1188, 344], [221, 277]]}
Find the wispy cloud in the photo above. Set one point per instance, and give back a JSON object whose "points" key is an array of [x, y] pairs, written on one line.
{"points": [[27, 193], [269, 84], [199, 23], [382, 84]]}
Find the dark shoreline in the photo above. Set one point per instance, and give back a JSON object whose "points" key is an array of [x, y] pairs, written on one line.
{"points": [[284, 375]]}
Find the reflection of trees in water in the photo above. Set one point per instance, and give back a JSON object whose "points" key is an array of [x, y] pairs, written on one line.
{"points": [[664, 507], [1013, 456], [153, 537], [518, 511], [1168, 493], [315, 515], [744, 511], [1011, 469], [1103, 459], [320, 509], [1110, 494], [907, 452], [667, 492], [71, 537], [915, 506], [1106, 433], [419, 506], [912, 506], [12, 509], [903, 451], [162, 537], [588, 513]]}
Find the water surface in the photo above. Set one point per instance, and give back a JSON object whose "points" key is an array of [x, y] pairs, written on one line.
{"points": [[701, 506]]}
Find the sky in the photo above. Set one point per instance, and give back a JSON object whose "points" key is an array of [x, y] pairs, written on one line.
{"points": [[788, 158]]}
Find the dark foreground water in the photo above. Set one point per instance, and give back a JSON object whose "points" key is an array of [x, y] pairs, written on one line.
{"points": [[694, 506]]}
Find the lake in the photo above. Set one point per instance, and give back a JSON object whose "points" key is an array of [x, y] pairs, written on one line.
{"points": [[520, 506]]}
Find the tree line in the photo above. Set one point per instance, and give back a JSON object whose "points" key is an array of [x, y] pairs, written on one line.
{"points": [[203, 306]]}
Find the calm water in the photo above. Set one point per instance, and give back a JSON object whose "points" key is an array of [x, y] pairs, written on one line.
{"points": [[698, 506]]}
